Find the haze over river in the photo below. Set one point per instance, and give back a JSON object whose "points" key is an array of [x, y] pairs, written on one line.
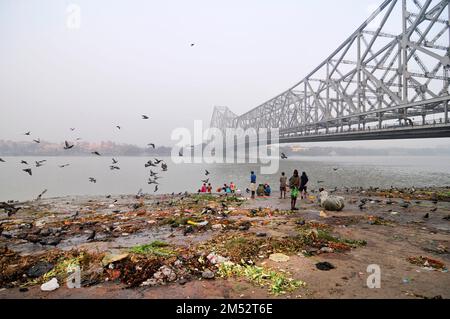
{"points": [[364, 171]]}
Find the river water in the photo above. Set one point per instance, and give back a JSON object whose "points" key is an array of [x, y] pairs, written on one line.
{"points": [[364, 171]]}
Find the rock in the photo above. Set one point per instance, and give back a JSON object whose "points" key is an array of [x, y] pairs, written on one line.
{"points": [[112, 258], [323, 214], [44, 232], [208, 274], [245, 226], [150, 282], [326, 250], [279, 257], [261, 234], [182, 281], [333, 203], [217, 226], [50, 285], [39, 269], [50, 241], [325, 266]]}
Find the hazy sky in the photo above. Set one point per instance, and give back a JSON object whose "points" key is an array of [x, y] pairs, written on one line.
{"points": [[133, 57]]}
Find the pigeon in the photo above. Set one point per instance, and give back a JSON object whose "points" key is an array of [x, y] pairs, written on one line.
{"points": [[151, 144], [2, 160], [91, 236], [427, 215], [96, 153], [92, 180], [335, 169], [152, 173], [433, 209], [118, 127], [156, 189], [206, 172], [72, 129], [180, 154], [114, 161], [164, 167], [112, 167], [28, 133], [78, 138], [62, 166], [145, 117], [150, 181], [37, 141], [283, 156], [24, 162], [206, 181], [9, 209], [39, 163], [150, 163], [41, 194], [192, 44], [28, 170], [157, 161], [67, 146]]}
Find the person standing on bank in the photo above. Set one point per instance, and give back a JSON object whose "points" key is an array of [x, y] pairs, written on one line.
{"points": [[283, 185], [294, 185], [303, 187], [253, 184]]}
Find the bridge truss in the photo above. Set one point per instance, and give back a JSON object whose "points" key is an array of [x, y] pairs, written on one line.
{"points": [[393, 69]]}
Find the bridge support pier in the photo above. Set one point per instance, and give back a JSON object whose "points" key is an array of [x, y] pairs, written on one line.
{"points": [[446, 112]]}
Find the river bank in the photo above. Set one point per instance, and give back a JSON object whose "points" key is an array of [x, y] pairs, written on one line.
{"points": [[212, 246]]}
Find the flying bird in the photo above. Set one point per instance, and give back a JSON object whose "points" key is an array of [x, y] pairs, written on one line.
{"points": [[157, 161], [206, 172], [180, 154], [283, 156], [96, 153], [28, 170], [62, 166], [152, 173], [150, 181], [206, 181], [67, 146], [156, 189], [112, 167], [24, 162], [41, 194], [72, 129], [39, 163], [28, 133], [192, 44], [150, 163], [37, 141], [164, 167], [145, 117], [114, 161], [2, 160], [78, 138], [118, 127], [151, 144], [335, 169], [92, 180]]}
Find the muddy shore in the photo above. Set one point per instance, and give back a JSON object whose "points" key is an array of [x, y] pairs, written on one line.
{"points": [[213, 246]]}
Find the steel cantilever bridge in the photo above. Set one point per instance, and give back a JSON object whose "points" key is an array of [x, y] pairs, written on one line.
{"points": [[378, 84]]}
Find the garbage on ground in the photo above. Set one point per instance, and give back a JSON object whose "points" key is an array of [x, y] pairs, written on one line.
{"points": [[325, 266], [279, 257], [427, 262], [333, 203], [50, 285]]}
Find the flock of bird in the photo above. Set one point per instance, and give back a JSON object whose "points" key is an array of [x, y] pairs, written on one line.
{"points": [[114, 165]]}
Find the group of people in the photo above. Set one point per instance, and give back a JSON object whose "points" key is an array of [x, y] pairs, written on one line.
{"points": [[228, 189], [297, 185]]}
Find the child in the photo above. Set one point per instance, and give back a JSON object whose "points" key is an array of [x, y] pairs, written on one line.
{"points": [[283, 185]]}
